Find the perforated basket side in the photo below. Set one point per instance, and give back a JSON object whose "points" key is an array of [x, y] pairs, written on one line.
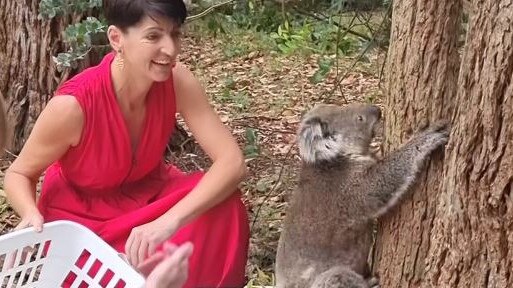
{"points": [[65, 254]]}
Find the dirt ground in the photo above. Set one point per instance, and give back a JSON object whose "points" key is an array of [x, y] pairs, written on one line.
{"points": [[260, 96]]}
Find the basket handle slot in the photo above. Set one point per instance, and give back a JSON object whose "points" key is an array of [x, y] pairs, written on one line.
{"points": [[37, 273], [11, 280], [121, 284], [97, 264], [83, 284], [45, 249], [106, 278], [27, 276], [2, 261], [69, 280], [82, 259]]}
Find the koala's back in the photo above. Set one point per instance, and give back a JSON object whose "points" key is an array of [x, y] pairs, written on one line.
{"points": [[325, 225]]}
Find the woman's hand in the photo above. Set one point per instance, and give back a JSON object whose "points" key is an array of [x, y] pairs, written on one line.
{"points": [[169, 268], [144, 240], [31, 219]]}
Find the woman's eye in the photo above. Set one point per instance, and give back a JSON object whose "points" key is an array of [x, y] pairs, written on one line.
{"points": [[152, 37]]}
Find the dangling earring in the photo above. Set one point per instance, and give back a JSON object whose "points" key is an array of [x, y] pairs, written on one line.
{"points": [[119, 60]]}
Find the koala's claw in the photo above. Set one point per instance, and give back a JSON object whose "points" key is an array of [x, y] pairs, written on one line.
{"points": [[442, 127], [373, 282]]}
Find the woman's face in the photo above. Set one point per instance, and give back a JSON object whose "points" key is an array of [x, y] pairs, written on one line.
{"points": [[150, 48]]}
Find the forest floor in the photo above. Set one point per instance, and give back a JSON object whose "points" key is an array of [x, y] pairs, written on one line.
{"points": [[260, 95]]}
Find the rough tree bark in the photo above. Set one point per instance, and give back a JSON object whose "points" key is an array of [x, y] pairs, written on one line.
{"points": [[28, 75], [472, 238], [456, 230], [421, 81]]}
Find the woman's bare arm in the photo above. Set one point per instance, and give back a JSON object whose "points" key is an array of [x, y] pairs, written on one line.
{"points": [[228, 168], [58, 128]]}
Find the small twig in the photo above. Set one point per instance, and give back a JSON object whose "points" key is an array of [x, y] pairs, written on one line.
{"points": [[381, 72], [10, 153], [339, 36], [324, 18], [283, 10], [198, 167], [342, 94], [208, 10], [273, 188], [269, 118], [272, 130], [360, 56], [182, 145]]}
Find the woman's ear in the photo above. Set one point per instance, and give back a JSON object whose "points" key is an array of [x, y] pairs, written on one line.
{"points": [[115, 36]]}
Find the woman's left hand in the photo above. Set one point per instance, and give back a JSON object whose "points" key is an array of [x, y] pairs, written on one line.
{"points": [[144, 240]]}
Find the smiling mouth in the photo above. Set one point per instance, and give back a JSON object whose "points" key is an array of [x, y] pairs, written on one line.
{"points": [[162, 62]]}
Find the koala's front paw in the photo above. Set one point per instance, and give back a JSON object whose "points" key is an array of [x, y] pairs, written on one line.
{"points": [[435, 137], [439, 127]]}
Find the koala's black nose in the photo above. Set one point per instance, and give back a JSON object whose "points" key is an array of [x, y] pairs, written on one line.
{"points": [[375, 110]]}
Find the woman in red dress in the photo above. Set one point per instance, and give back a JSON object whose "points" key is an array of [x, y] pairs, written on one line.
{"points": [[101, 139]]}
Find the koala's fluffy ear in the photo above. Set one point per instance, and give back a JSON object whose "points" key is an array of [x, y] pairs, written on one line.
{"points": [[315, 141]]}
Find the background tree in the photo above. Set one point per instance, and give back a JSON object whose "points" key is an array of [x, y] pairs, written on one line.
{"points": [[456, 230], [28, 75]]}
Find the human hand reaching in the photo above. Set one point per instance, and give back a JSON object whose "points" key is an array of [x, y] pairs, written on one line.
{"points": [[32, 218], [167, 268], [144, 240]]}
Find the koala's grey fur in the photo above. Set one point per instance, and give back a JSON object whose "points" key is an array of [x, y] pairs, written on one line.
{"points": [[327, 232]]}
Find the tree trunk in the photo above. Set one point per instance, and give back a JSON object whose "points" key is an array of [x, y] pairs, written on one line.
{"points": [[472, 243], [422, 74], [28, 75], [455, 230]]}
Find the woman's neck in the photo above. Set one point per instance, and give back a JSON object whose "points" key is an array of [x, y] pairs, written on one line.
{"points": [[130, 91]]}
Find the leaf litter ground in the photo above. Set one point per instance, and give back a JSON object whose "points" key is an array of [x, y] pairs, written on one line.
{"points": [[261, 97]]}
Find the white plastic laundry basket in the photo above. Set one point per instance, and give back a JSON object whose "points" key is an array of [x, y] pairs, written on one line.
{"points": [[65, 254]]}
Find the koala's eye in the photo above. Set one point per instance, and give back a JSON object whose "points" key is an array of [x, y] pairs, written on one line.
{"points": [[360, 118], [324, 129]]}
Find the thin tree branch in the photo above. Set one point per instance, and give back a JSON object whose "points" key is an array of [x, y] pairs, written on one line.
{"points": [[339, 36], [338, 81], [282, 168], [208, 10], [324, 18]]}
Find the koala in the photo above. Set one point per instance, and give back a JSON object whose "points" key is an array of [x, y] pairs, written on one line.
{"points": [[327, 232]]}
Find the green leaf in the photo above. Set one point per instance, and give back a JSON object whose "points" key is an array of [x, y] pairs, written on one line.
{"points": [[251, 135]]}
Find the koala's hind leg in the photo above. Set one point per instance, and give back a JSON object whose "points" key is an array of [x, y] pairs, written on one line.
{"points": [[340, 277]]}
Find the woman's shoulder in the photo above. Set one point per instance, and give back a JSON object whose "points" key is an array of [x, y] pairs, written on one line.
{"points": [[182, 76], [89, 79]]}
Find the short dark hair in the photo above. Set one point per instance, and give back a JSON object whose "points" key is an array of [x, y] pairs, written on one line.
{"points": [[126, 13]]}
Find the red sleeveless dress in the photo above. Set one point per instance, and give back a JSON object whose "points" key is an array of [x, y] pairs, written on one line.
{"points": [[101, 184]]}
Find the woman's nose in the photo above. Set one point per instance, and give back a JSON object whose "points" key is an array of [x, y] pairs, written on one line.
{"points": [[169, 47]]}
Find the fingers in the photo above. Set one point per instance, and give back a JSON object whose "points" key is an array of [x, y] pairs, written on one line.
{"points": [[183, 252], [34, 219], [132, 248], [138, 247], [152, 247], [155, 258], [172, 271], [169, 247], [149, 264], [38, 224], [142, 252]]}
